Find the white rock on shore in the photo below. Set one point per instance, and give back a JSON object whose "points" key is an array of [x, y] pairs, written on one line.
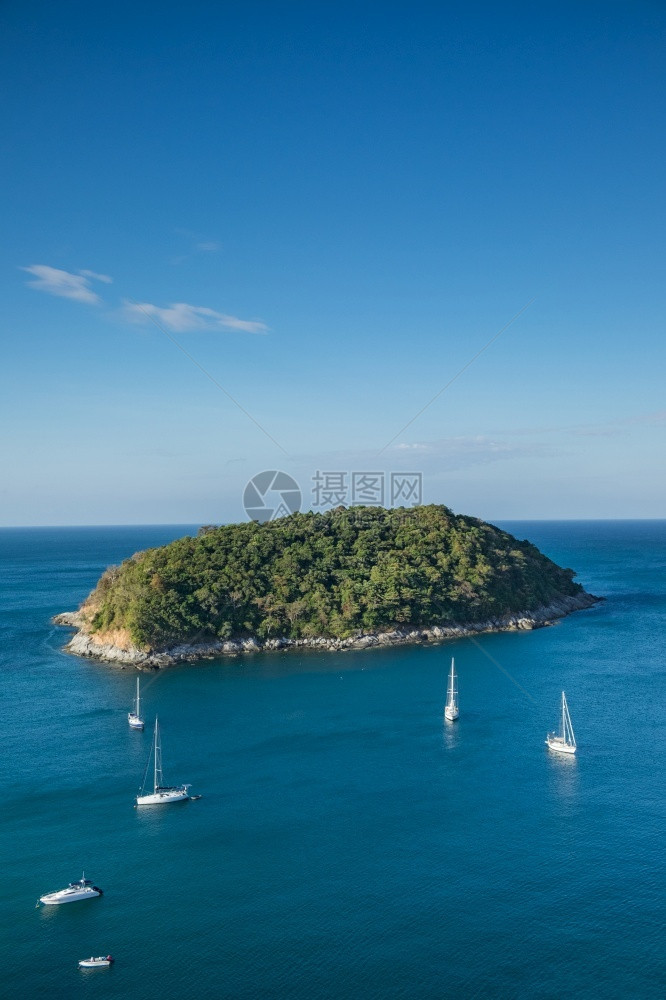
{"points": [[83, 644]]}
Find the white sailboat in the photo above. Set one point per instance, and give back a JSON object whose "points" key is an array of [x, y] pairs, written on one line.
{"points": [[451, 711], [161, 794], [134, 717], [564, 741]]}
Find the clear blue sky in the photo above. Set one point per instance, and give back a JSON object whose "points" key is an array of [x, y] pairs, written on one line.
{"points": [[332, 208]]}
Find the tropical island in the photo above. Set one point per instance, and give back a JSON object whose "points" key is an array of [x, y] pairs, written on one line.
{"points": [[348, 578]]}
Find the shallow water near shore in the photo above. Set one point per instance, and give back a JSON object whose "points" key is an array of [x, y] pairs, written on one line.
{"points": [[348, 842]]}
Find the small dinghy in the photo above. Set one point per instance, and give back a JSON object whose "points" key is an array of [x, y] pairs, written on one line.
{"points": [[101, 962]]}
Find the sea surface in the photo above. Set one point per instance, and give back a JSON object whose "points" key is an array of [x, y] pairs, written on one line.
{"points": [[349, 843]]}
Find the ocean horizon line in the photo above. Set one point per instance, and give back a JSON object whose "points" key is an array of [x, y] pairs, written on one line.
{"points": [[198, 524]]}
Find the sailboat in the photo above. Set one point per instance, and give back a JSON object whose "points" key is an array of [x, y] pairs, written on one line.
{"points": [[451, 711], [565, 741], [134, 717], [161, 794]]}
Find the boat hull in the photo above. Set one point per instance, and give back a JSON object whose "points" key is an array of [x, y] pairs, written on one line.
{"points": [[135, 722], [95, 963], [558, 745], [64, 896], [451, 714], [164, 797]]}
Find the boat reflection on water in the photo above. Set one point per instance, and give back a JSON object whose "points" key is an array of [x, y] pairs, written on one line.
{"points": [[564, 778], [450, 735]]}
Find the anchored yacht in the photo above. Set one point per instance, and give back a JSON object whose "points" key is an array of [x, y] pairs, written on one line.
{"points": [[161, 794], [134, 717], [451, 711], [74, 893], [564, 741]]}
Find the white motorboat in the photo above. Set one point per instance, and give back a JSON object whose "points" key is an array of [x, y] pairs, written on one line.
{"points": [[134, 717], [451, 710], [564, 741], [161, 794], [74, 893], [101, 962]]}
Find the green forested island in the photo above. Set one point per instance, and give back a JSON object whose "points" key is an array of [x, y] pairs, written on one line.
{"points": [[339, 574]]}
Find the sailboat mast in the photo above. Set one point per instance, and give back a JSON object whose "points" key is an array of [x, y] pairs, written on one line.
{"points": [[138, 700], [564, 724], [569, 735], [156, 753]]}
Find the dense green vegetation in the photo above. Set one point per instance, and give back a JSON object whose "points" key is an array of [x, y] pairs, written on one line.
{"points": [[333, 574]]}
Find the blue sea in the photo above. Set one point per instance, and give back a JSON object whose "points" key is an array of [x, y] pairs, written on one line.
{"points": [[348, 843]]}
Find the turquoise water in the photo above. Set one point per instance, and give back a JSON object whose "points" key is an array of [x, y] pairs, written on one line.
{"points": [[348, 843]]}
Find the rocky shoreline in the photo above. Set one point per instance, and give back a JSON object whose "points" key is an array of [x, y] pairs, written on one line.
{"points": [[85, 644]]}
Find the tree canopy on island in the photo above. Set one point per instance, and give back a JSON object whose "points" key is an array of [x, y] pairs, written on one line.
{"points": [[335, 574]]}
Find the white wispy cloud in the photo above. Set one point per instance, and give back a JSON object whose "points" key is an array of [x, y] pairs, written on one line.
{"points": [[611, 428], [97, 277], [65, 284], [450, 454], [462, 452], [181, 317], [658, 417], [178, 317], [199, 244]]}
